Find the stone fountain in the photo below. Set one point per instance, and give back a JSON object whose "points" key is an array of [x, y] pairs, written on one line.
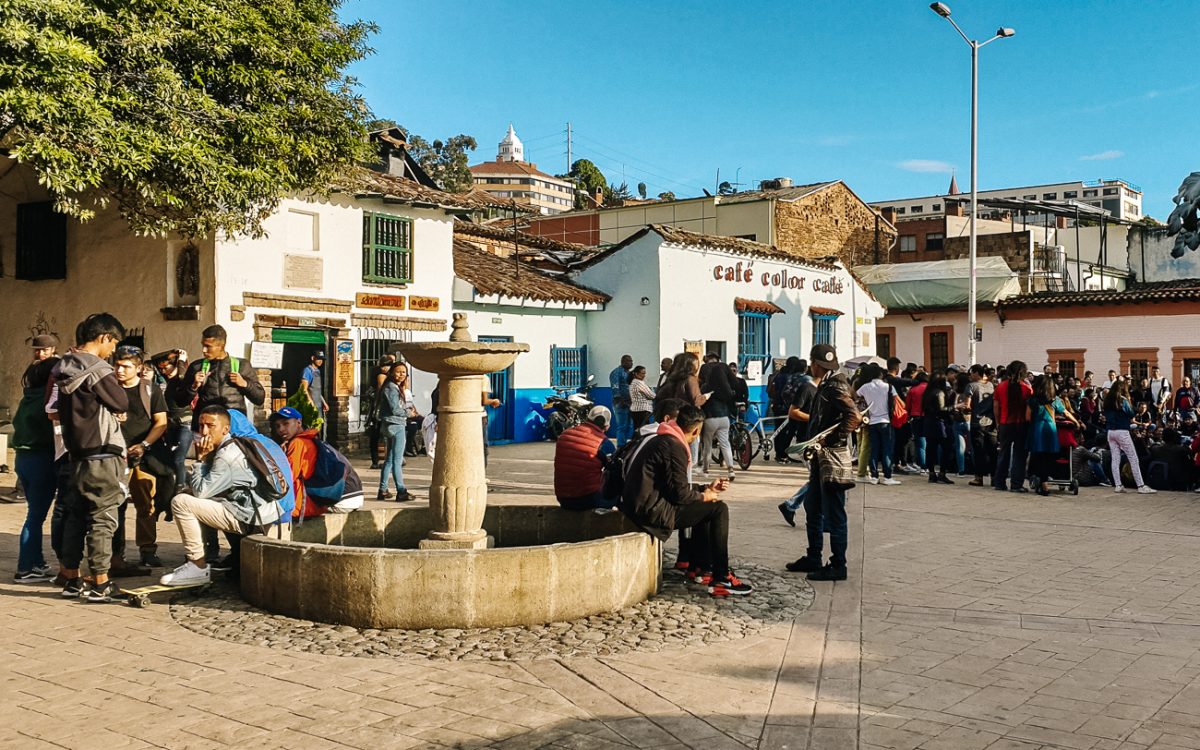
{"points": [[458, 495], [416, 566]]}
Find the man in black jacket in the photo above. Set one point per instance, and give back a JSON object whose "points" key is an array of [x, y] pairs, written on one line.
{"points": [[219, 379], [825, 503], [658, 497]]}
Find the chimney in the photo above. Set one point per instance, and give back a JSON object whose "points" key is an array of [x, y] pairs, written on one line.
{"points": [[599, 197], [954, 208], [888, 214], [1060, 222]]}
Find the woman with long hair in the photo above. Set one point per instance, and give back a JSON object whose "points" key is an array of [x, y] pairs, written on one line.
{"points": [[1042, 439], [683, 381], [1009, 405], [938, 405], [641, 398], [396, 406], [1118, 415]]}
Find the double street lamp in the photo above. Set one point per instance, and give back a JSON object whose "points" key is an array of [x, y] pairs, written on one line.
{"points": [[944, 11]]}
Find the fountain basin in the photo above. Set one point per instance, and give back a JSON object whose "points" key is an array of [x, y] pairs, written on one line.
{"points": [[459, 358], [362, 569]]}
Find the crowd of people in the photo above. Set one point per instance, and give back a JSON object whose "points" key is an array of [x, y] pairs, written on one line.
{"points": [[1009, 427], [104, 426]]}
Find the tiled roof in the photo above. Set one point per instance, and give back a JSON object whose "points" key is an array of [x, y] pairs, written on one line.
{"points": [[796, 192], [367, 183], [1176, 290], [824, 311], [491, 274], [736, 245], [512, 167], [756, 306]]}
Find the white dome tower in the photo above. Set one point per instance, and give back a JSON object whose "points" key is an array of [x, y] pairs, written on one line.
{"points": [[511, 148]]}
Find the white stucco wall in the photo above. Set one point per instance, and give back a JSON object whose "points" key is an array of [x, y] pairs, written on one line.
{"points": [[540, 328], [691, 304], [910, 335], [1150, 257]]}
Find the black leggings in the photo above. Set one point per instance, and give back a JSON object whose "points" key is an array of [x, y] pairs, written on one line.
{"points": [[640, 418]]}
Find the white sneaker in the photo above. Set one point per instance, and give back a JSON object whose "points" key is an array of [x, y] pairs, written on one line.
{"points": [[873, 480], [1146, 489], [1118, 488], [889, 481], [188, 574]]}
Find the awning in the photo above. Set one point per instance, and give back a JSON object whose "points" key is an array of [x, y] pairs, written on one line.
{"points": [[939, 283], [756, 306]]}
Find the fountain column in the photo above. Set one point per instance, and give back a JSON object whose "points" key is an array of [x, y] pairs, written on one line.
{"points": [[458, 493]]}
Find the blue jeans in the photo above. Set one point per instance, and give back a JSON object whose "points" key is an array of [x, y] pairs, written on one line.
{"points": [[794, 502], [39, 477], [395, 434], [962, 438], [882, 437], [825, 511], [622, 424], [180, 439], [917, 426]]}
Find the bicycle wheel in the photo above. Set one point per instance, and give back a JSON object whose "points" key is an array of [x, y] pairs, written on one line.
{"points": [[743, 448]]}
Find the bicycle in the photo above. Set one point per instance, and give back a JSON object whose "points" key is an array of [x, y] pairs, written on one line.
{"points": [[743, 431]]}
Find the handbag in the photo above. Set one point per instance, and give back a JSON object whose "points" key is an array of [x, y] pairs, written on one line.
{"points": [[897, 409], [834, 467]]}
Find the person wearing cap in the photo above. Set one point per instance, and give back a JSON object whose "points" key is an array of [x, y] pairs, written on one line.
{"points": [[311, 382], [580, 456], [33, 441], [825, 502], [300, 447]]}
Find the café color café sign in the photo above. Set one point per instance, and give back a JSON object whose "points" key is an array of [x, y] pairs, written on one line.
{"points": [[785, 279]]}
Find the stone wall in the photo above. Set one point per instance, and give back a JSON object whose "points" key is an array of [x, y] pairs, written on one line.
{"points": [[1012, 246], [833, 222]]}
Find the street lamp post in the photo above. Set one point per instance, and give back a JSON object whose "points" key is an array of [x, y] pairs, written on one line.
{"points": [[944, 11]]}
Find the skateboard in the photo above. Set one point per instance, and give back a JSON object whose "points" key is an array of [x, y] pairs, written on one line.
{"points": [[140, 597]]}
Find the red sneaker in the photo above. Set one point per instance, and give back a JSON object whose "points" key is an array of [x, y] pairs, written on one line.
{"points": [[731, 586]]}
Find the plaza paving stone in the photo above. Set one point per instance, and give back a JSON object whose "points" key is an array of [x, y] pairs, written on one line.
{"points": [[972, 619]]}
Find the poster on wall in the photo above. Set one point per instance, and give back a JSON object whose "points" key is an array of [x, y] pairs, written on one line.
{"points": [[694, 347], [265, 355], [754, 370], [344, 368]]}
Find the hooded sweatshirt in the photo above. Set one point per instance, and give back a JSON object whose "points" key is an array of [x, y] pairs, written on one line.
{"points": [[89, 398], [226, 475]]}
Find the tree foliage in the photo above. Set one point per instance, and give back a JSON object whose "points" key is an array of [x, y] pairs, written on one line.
{"points": [[616, 195], [666, 196], [445, 161], [587, 178], [642, 190], [726, 188], [192, 116], [1184, 221]]}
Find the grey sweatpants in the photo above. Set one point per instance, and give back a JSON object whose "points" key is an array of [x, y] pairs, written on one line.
{"points": [[97, 493]]}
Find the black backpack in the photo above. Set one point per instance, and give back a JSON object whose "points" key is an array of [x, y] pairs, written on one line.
{"points": [[618, 466]]}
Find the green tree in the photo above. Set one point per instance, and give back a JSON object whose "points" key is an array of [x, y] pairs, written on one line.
{"points": [[616, 195], [726, 188], [587, 178], [191, 116], [445, 161], [666, 196], [642, 190]]}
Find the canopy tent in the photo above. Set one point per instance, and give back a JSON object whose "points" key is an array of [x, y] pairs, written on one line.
{"points": [[938, 283]]}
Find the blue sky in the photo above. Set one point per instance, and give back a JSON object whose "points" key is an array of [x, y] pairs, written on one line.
{"points": [[874, 93]]}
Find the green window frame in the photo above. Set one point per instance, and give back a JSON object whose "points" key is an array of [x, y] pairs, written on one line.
{"points": [[387, 249]]}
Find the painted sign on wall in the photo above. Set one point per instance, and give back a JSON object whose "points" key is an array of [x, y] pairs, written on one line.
{"points": [[424, 304], [785, 279], [385, 301], [343, 378]]}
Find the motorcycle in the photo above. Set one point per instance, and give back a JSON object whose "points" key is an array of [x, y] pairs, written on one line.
{"points": [[566, 411]]}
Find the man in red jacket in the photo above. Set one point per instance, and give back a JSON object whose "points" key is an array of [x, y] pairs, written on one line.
{"points": [[579, 460]]}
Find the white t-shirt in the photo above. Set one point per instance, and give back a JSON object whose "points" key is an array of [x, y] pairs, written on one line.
{"points": [[876, 395], [1160, 388]]}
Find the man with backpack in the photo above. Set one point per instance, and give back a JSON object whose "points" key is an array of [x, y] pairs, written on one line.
{"points": [[238, 485], [788, 386], [324, 481]]}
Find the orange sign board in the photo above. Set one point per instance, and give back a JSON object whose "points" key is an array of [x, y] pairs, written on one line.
{"points": [[385, 301], [425, 304]]}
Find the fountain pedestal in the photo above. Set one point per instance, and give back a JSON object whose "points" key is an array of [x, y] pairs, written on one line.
{"points": [[458, 494]]}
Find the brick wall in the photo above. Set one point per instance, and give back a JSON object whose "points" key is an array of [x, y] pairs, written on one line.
{"points": [[919, 229], [833, 222]]}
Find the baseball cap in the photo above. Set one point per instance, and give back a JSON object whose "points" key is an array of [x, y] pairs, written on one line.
{"points": [[319, 354], [824, 355], [287, 412], [44, 341], [602, 412]]}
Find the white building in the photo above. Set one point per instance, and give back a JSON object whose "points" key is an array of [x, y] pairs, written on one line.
{"points": [[350, 274], [510, 177], [673, 290], [1122, 199]]}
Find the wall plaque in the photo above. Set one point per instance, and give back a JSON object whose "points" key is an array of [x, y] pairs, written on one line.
{"points": [[302, 271], [424, 304], [384, 301]]}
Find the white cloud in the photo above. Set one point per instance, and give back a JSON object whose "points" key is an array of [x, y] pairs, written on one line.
{"points": [[926, 165], [1103, 155]]}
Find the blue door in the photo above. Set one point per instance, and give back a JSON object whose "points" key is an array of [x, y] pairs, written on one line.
{"points": [[500, 419]]}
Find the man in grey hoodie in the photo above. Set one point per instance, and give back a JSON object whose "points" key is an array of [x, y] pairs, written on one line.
{"points": [[90, 403]]}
